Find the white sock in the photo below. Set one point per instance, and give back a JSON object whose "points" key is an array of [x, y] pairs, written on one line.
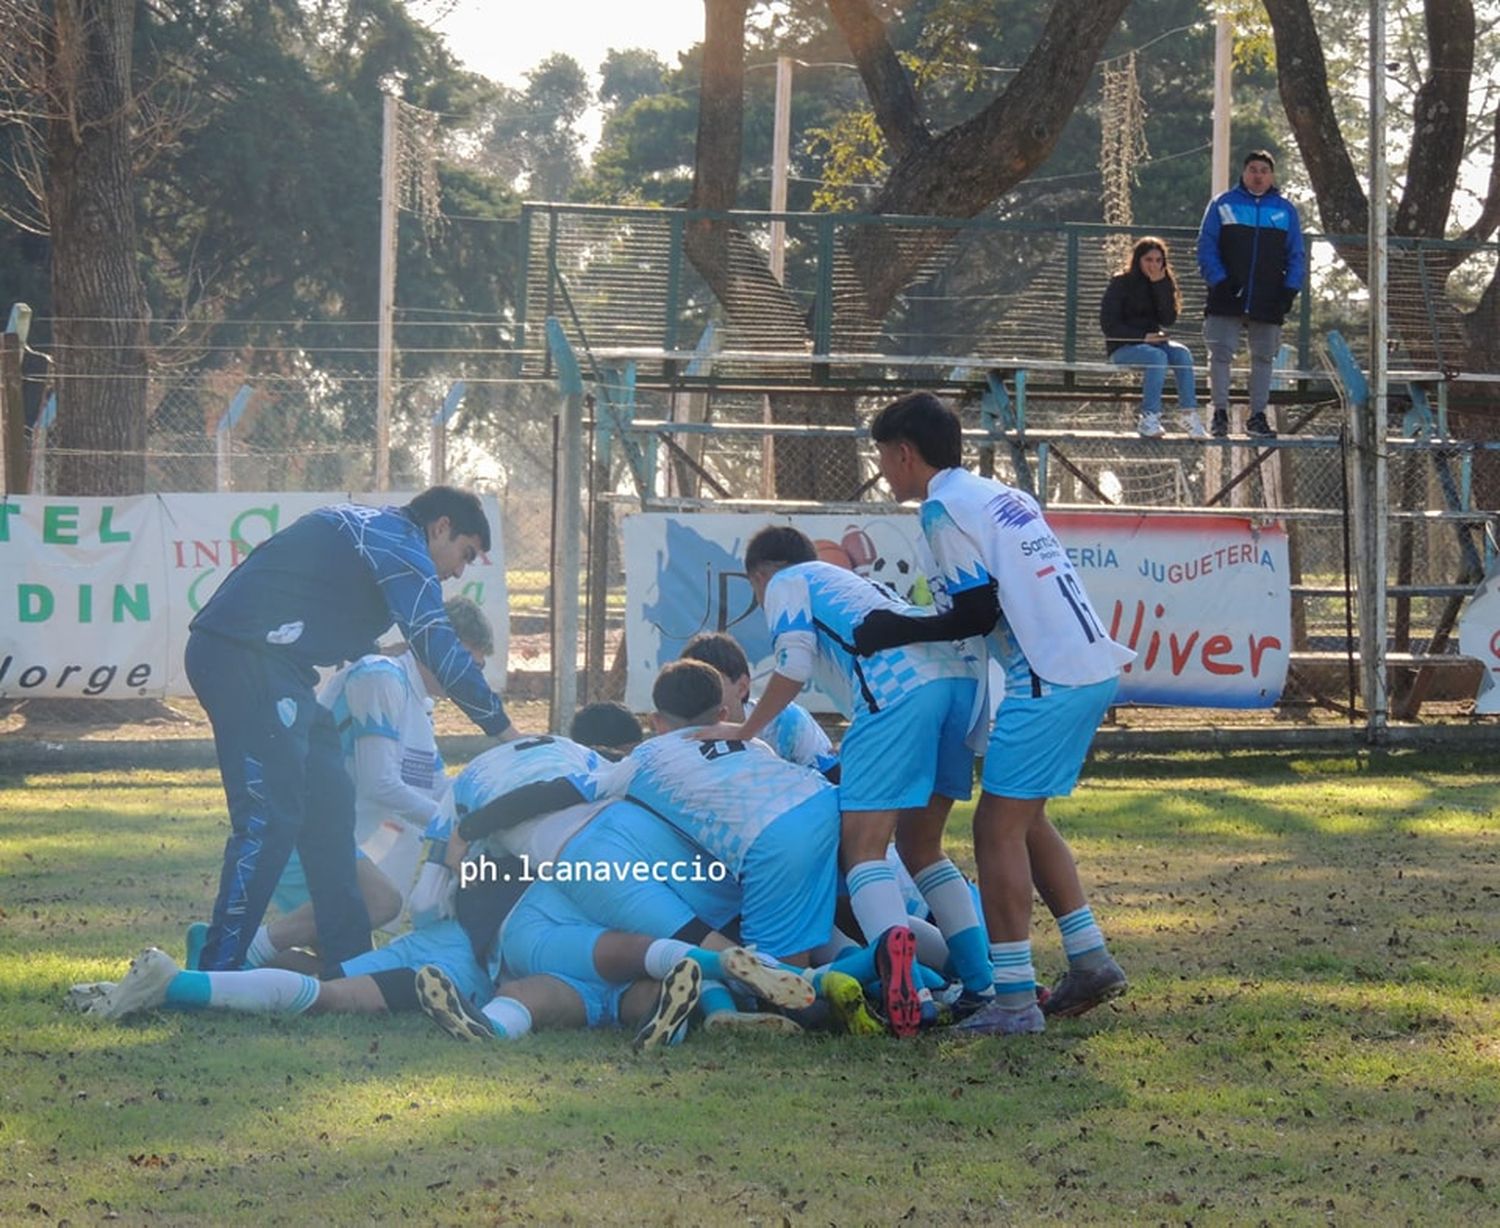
{"points": [[875, 898], [932, 947], [663, 955], [262, 950], [510, 1018], [268, 991]]}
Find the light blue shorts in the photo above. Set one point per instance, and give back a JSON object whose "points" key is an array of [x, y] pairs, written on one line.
{"points": [[546, 935], [291, 888], [675, 889], [791, 878], [444, 944], [1038, 746], [897, 758]]}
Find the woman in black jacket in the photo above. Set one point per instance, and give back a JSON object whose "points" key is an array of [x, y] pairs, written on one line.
{"points": [[1140, 304]]}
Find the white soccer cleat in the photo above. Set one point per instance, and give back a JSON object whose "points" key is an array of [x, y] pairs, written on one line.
{"points": [[81, 995], [143, 988], [756, 1023], [776, 986]]}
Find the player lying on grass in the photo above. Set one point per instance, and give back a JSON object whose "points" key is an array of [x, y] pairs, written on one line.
{"points": [[903, 760]]}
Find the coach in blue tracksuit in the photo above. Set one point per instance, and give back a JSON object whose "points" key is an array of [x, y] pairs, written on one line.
{"points": [[319, 593], [1251, 255]]}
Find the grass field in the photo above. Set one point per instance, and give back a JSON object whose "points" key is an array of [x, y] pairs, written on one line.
{"points": [[1312, 1036]]}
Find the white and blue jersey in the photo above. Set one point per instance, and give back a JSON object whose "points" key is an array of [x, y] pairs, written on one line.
{"points": [[511, 765], [981, 532], [813, 609], [720, 795], [322, 590], [384, 697], [797, 738]]}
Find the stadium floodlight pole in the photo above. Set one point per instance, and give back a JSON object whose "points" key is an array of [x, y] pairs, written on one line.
{"points": [[386, 334], [1223, 68], [1371, 453]]}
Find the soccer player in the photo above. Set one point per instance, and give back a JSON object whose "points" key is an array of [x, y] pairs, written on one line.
{"points": [[382, 706], [319, 592], [792, 734], [1003, 575], [903, 759]]}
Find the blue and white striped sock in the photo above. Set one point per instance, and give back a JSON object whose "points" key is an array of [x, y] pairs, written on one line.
{"points": [[262, 990], [874, 898], [1083, 941], [1015, 978], [947, 893]]}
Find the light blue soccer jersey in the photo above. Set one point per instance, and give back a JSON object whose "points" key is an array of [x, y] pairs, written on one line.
{"points": [[797, 738], [720, 795], [813, 609], [382, 697]]}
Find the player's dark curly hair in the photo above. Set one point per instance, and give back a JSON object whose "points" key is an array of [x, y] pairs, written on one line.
{"points": [[720, 650], [927, 424], [690, 691], [605, 724], [778, 545]]}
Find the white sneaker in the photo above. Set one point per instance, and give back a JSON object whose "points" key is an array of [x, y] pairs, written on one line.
{"points": [[1150, 427], [143, 988], [1194, 425], [81, 995], [774, 985]]}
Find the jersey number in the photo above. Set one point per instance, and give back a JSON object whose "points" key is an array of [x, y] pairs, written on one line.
{"points": [[1073, 594], [717, 750], [533, 743]]}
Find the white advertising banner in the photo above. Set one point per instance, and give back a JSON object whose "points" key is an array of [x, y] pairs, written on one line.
{"points": [[97, 594], [1205, 601]]}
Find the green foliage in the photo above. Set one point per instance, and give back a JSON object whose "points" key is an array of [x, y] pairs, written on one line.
{"points": [[853, 155]]}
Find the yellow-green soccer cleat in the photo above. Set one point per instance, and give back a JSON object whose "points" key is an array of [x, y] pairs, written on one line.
{"points": [[846, 998]]}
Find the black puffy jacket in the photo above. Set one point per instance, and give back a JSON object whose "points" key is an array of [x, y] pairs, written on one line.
{"points": [[1134, 305]]}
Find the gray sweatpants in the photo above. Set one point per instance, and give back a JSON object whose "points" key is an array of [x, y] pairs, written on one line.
{"points": [[1222, 335]]}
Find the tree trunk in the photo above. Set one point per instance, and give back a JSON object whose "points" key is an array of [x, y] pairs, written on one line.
{"points": [[956, 174], [100, 334]]}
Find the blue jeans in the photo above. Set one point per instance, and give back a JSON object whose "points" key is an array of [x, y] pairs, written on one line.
{"points": [[1154, 361]]}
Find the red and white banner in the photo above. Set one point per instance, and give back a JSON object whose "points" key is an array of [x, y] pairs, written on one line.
{"points": [[1205, 601], [97, 593]]}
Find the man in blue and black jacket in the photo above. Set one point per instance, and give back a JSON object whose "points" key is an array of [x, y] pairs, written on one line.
{"points": [[1250, 253], [319, 593]]}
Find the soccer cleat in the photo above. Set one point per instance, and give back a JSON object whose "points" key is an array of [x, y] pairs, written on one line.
{"points": [[766, 1023], [80, 996], [1150, 427], [1079, 991], [894, 955], [143, 988], [997, 1020], [1220, 427], [1257, 427], [776, 986], [197, 939], [680, 989], [1193, 425], [449, 1009], [846, 997]]}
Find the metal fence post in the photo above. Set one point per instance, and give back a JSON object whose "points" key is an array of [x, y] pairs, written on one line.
{"points": [[568, 526]]}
